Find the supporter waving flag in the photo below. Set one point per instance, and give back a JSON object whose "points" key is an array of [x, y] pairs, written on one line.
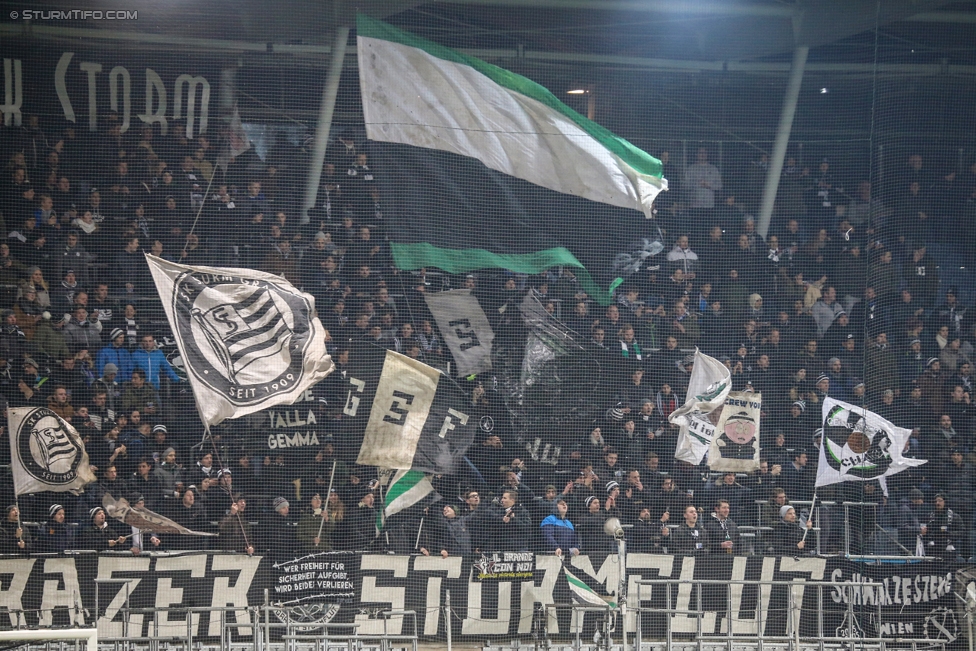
{"points": [[482, 168], [47, 454]]}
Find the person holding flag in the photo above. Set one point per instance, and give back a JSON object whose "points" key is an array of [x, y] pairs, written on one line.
{"points": [[99, 536], [14, 539], [789, 535]]}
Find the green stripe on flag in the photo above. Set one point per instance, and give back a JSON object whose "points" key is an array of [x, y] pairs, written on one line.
{"points": [[585, 593], [407, 488], [638, 160], [423, 254]]}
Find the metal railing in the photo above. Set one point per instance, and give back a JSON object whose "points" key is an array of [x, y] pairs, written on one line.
{"points": [[793, 638]]}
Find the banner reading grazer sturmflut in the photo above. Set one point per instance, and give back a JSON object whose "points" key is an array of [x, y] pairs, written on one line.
{"points": [[501, 173], [465, 328], [249, 339], [46, 453]]}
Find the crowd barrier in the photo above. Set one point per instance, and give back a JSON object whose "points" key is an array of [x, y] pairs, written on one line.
{"points": [[232, 599]]}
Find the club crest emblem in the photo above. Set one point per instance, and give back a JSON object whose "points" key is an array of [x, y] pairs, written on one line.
{"points": [[50, 452], [242, 337]]}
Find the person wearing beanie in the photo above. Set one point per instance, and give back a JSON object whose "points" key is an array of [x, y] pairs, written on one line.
{"points": [[452, 536], [52, 538], [788, 533], [100, 536], [277, 533], [115, 353], [589, 527], [14, 537]]}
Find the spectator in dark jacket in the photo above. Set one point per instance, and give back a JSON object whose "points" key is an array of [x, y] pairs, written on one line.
{"points": [[690, 537], [100, 536], [723, 532], [14, 538], [453, 536], [511, 525], [788, 533], [53, 536], [278, 533]]}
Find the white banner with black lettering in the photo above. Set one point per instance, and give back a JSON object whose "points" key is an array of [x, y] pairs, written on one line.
{"points": [[465, 328], [249, 339], [417, 419], [735, 441]]}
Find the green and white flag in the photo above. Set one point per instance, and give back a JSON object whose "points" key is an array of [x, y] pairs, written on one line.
{"points": [[708, 388], [501, 173], [408, 487], [860, 445], [586, 590]]}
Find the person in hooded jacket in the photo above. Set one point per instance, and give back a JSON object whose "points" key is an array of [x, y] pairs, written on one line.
{"points": [[53, 536], [559, 532]]}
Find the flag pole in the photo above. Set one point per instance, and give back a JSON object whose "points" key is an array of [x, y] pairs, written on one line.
{"points": [[328, 493], [20, 526], [420, 530], [806, 530]]}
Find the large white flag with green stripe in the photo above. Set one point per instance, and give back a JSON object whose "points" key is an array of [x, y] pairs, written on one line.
{"points": [[419, 94], [422, 94]]}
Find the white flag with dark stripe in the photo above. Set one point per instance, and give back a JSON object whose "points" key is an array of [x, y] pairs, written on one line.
{"points": [[46, 453], [249, 339], [409, 415], [465, 327]]}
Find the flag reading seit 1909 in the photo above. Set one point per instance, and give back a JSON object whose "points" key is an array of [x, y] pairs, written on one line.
{"points": [[249, 340], [46, 452]]}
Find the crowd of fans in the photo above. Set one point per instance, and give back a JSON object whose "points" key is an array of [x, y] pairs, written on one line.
{"points": [[841, 298]]}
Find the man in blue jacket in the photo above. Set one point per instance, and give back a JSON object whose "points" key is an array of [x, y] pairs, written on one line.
{"points": [[115, 353], [560, 535], [151, 360]]}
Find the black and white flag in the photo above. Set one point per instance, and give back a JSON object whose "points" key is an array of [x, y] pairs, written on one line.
{"points": [[249, 340], [46, 452], [465, 328], [402, 414]]}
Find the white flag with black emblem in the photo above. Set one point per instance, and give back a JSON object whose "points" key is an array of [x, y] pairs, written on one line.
{"points": [[465, 327], [249, 340], [46, 452]]}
